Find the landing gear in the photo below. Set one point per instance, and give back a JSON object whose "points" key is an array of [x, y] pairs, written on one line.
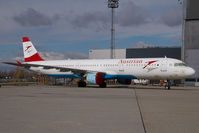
{"points": [[168, 85], [103, 85], [81, 84]]}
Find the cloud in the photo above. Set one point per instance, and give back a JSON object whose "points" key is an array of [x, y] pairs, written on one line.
{"points": [[46, 56], [54, 56], [86, 20], [132, 15], [172, 17], [18, 58], [129, 15], [61, 56], [77, 22], [140, 44], [6, 67], [33, 18]]}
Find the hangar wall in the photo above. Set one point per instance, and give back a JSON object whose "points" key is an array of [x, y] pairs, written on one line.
{"points": [[191, 35], [192, 9], [105, 54], [170, 52]]}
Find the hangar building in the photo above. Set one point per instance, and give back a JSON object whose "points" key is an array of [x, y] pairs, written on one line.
{"points": [[170, 52], [190, 46], [189, 52]]}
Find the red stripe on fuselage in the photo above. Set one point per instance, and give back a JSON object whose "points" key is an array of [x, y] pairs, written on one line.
{"points": [[149, 63], [35, 57]]}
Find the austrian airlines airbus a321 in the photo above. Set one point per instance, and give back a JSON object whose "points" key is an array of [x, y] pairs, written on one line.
{"points": [[99, 71]]}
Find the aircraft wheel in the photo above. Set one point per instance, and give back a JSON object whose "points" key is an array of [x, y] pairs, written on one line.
{"points": [[168, 85], [81, 84], [103, 85]]}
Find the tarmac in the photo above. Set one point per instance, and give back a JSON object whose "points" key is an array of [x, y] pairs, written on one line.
{"points": [[61, 109]]}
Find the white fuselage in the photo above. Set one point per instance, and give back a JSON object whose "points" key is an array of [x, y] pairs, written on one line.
{"points": [[141, 68]]}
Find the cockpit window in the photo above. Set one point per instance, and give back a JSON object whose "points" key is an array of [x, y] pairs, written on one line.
{"points": [[180, 64]]}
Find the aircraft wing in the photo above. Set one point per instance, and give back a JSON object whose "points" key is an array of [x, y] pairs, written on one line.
{"points": [[61, 69], [11, 63]]}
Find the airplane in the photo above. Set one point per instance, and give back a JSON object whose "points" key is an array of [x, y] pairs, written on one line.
{"points": [[98, 71]]}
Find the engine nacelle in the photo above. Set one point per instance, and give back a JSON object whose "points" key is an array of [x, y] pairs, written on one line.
{"points": [[124, 81], [95, 78]]}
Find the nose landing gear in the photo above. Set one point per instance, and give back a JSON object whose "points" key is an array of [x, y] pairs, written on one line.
{"points": [[168, 85]]}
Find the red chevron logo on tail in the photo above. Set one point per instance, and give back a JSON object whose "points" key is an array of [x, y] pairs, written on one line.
{"points": [[28, 48]]}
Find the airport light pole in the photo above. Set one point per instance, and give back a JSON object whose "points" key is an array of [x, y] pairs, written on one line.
{"points": [[112, 4], [183, 3]]}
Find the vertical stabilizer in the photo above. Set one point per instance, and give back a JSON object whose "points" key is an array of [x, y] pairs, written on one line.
{"points": [[30, 53]]}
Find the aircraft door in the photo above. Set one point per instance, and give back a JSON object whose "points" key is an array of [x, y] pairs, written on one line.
{"points": [[164, 67], [121, 67]]}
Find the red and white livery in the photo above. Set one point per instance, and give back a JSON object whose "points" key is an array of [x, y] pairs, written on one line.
{"points": [[99, 71], [30, 53]]}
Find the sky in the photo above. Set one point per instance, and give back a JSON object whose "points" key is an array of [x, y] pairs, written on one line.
{"points": [[68, 29]]}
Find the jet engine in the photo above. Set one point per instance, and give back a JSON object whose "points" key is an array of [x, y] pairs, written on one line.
{"points": [[95, 78]]}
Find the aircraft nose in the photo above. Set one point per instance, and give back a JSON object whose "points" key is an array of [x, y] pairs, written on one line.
{"points": [[190, 72]]}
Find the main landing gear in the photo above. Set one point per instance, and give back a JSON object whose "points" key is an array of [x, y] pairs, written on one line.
{"points": [[168, 85], [82, 84], [103, 85]]}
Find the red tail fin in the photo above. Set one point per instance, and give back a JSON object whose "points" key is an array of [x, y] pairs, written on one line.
{"points": [[30, 53]]}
